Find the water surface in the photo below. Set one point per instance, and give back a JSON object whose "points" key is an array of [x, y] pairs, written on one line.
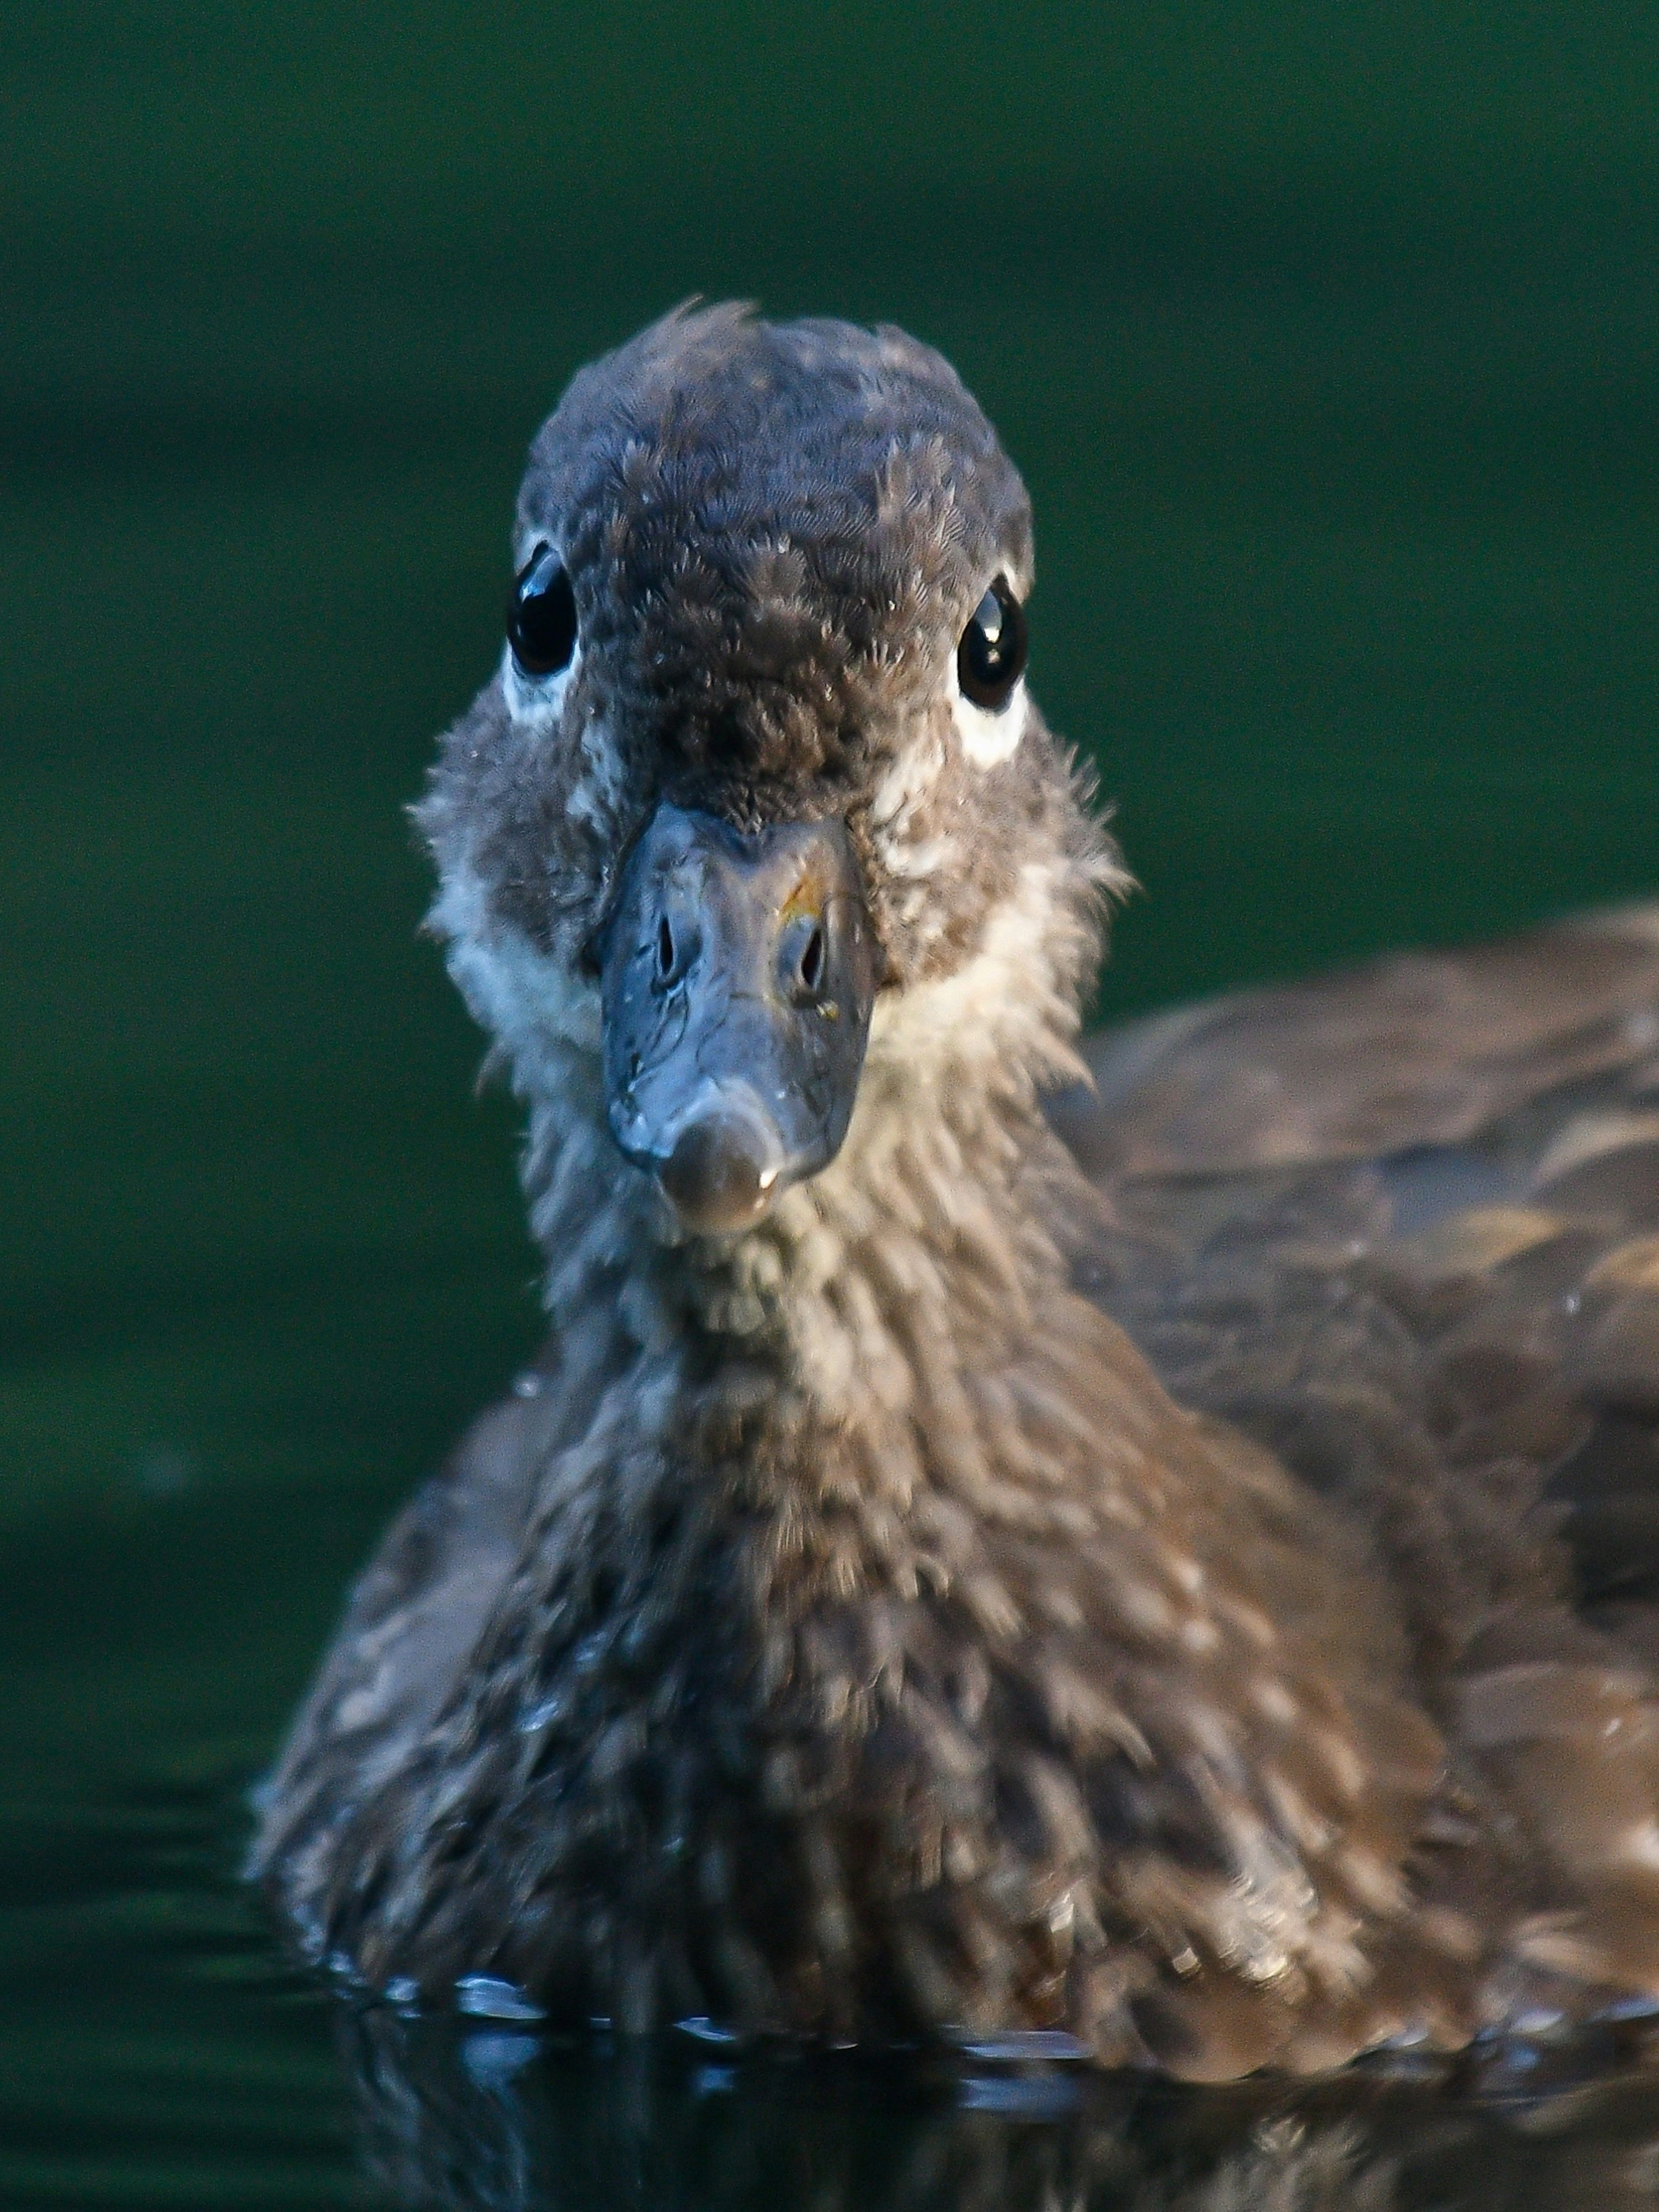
{"points": [[1346, 481]]}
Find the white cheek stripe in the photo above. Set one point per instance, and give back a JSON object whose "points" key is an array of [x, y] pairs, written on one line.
{"points": [[523, 999], [989, 739], [1001, 1003]]}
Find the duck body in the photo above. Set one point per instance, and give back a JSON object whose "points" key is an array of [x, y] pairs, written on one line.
{"points": [[1152, 1549]]}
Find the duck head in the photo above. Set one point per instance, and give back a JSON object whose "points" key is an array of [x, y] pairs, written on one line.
{"points": [[758, 777]]}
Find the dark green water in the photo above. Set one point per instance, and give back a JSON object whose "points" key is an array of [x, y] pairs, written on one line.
{"points": [[1330, 347]]}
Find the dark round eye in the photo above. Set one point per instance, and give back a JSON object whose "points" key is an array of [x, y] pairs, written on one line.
{"points": [[991, 659], [541, 616]]}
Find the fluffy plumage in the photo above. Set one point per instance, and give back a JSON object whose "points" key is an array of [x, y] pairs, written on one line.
{"points": [[1161, 1585]]}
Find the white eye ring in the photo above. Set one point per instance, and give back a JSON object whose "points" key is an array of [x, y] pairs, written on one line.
{"points": [[989, 737], [536, 700]]}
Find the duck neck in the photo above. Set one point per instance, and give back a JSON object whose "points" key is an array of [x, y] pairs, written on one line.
{"points": [[857, 1323]]}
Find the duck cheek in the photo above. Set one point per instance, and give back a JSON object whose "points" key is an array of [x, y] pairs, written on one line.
{"points": [[736, 980]]}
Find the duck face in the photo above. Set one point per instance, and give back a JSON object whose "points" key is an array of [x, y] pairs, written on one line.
{"points": [[759, 752], [737, 976]]}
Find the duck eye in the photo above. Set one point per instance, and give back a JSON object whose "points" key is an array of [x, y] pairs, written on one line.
{"points": [[541, 616], [991, 659]]}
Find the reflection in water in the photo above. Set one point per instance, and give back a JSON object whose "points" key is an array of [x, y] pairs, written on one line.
{"points": [[155, 2048], [486, 2119]]}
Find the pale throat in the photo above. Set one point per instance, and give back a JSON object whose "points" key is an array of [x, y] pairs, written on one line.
{"points": [[913, 1252], [919, 1234]]}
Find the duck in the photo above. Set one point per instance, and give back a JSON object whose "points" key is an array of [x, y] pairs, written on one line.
{"points": [[1147, 1543]]}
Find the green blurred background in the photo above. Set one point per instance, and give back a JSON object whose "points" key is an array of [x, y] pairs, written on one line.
{"points": [[1327, 335]]}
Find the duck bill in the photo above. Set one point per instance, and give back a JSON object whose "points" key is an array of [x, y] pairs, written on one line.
{"points": [[737, 974]]}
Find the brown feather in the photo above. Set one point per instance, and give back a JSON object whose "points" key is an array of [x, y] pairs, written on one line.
{"points": [[1195, 1591]]}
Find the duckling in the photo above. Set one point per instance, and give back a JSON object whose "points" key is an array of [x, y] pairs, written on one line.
{"points": [[1153, 1545]]}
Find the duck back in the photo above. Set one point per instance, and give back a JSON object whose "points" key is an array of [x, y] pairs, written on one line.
{"points": [[1402, 1227]]}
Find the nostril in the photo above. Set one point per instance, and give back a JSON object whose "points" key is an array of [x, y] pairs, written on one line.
{"points": [[664, 949], [811, 960]]}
